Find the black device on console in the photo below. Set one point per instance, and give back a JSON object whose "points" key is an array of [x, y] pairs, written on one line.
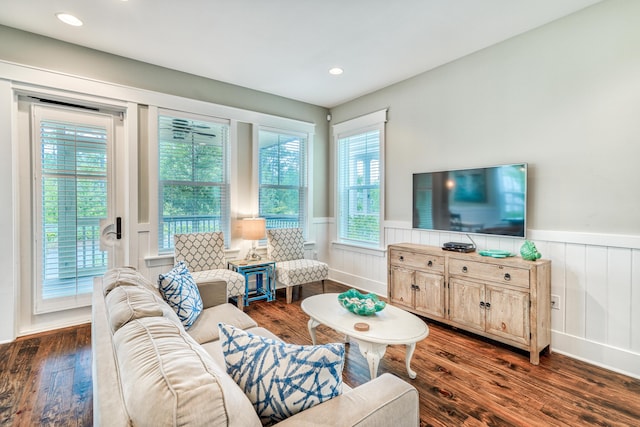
{"points": [[459, 247]]}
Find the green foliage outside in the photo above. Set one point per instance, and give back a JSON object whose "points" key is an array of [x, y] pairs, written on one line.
{"points": [[281, 175], [191, 167]]}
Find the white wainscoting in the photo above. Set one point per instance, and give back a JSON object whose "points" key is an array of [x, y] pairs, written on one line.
{"points": [[595, 276]]}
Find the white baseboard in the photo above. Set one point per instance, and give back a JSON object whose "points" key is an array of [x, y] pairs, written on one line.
{"points": [[611, 358], [359, 282], [51, 326]]}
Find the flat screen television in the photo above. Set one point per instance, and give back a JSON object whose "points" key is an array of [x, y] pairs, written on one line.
{"points": [[489, 200]]}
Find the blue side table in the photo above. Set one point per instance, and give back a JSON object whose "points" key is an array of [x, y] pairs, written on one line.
{"points": [[265, 281]]}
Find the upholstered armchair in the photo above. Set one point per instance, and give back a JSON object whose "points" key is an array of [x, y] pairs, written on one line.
{"points": [[204, 255], [286, 247]]}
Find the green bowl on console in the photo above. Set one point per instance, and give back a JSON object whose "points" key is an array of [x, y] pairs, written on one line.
{"points": [[357, 303]]}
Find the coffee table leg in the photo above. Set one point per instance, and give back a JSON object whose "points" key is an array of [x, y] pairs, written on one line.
{"points": [[409, 355], [312, 329], [373, 352]]}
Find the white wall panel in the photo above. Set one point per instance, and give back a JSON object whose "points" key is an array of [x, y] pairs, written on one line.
{"points": [[619, 290], [596, 293], [556, 252], [634, 301], [575, 290]]}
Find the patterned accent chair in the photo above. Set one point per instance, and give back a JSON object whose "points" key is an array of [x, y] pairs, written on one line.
{"points": [[204, 255], [286, 247]]}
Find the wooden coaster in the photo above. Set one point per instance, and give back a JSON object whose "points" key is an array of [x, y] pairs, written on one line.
{"points": [[361, 326]]}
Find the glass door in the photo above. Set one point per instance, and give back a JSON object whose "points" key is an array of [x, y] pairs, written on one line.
{"points": [[72, 204]]}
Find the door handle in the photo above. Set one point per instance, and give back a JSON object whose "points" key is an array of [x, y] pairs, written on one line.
{"points": [[118, 228]]}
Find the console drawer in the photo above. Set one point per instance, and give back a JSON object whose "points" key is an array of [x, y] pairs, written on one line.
{"points": [[416, 260], [490, 272]]}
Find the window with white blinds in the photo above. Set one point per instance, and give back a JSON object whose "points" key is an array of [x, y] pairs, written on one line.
{"points": [[193, 177], [360, 180], [282, 179], [71, 189]]}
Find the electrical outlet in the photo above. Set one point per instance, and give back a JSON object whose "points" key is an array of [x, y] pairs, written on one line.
{"points": [[555, 302]]}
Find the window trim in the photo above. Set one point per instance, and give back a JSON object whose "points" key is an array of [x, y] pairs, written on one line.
{"points": [[359, 125]]}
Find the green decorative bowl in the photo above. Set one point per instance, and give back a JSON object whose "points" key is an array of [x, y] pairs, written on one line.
{"points": [[357, 303]]}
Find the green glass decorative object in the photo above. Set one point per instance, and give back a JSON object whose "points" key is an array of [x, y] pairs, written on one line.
{"points": [[529, 252], [357, 303]]}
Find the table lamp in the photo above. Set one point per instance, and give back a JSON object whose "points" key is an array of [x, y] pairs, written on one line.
{"points": [[253, 229]]}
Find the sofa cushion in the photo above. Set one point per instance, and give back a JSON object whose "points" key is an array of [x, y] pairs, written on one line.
{"points": [[205, 329], [169, 380], [281, 379], [126, 303], [181, 292], [125, 276]]}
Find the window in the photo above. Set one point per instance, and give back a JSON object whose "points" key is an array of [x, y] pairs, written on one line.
{"points": [[71, 197], [282, 179], [193, 190], [360, 190]]}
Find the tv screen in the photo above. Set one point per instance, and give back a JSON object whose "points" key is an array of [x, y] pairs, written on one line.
{"points": [[491, 200]]}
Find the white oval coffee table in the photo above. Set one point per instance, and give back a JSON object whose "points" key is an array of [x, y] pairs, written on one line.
{"points": [[391, 326]]}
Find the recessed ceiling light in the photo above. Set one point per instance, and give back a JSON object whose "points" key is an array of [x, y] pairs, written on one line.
{"points": [[69, 19], [336, 71]]}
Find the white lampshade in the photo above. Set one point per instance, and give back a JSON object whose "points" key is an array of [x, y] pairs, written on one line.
{"points": [[254, 228]]}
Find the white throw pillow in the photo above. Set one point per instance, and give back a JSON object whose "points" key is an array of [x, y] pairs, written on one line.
{"points": [[181, 292], [281, 379]]}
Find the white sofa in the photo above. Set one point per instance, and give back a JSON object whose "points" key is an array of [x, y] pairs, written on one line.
{"points": [[148, 370]]}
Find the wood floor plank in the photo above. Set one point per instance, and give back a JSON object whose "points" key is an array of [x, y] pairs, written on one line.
{"points": [[82, 408], [9, 383]]}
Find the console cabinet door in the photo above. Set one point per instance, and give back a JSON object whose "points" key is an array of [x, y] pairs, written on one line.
{"points": [[466, 303], [401, 287], [429, 293], [507, 314]]}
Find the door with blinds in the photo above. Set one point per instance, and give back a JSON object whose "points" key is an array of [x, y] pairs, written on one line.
{"points": [[71, 158]]}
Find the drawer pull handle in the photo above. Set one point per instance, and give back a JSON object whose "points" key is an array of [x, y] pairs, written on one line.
{"points": [[401, 258], [464, 269], [487, 305], [481, 304], [430, 263], [507, 276]]}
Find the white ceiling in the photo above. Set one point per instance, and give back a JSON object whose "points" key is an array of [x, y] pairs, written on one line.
{"points": [[286, 47]]}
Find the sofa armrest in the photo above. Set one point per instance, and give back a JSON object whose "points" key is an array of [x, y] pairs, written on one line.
{"points": [[213, 293], [108, 402], [384, 401]]}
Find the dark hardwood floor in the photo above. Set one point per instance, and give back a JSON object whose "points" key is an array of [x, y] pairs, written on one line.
{"points": [[45, 379], [462, 379]]}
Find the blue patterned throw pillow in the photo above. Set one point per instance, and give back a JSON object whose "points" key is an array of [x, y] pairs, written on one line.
{"points": [[181, 293], [281, 379]]}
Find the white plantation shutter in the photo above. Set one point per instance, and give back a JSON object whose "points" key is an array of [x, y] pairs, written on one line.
{"points": [[72, 197], [360, 189], [282, 179], [193, 176]]}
